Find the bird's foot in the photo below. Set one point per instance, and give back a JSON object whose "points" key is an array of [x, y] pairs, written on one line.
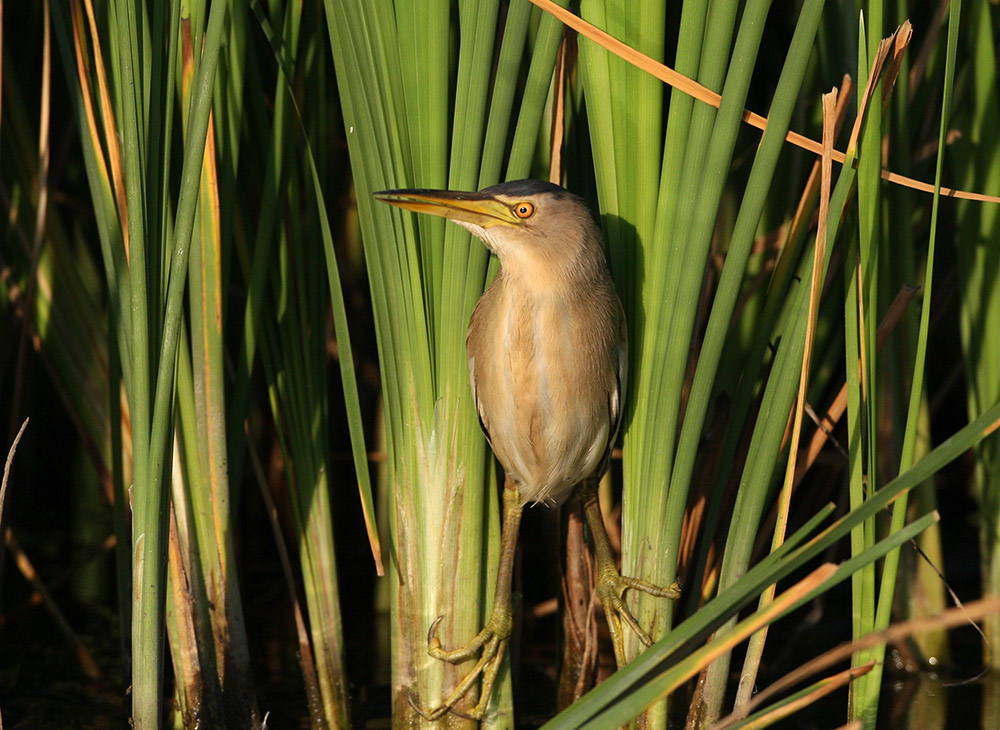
{"points": [[611, 586], [492, 641]]}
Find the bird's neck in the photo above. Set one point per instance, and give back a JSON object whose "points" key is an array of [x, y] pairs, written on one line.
{"points": [[545, 276]]}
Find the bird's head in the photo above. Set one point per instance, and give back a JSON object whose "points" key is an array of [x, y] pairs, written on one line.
{"points": [[527, 223]]}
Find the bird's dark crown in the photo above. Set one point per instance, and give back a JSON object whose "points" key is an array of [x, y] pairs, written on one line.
{"points": [[515, 188]]}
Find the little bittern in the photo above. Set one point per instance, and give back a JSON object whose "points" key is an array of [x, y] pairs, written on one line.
{"points": [[547, 359]]}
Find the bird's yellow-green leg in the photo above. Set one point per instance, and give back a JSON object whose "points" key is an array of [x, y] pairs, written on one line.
{"points": [[495, 636], [611, 584]]}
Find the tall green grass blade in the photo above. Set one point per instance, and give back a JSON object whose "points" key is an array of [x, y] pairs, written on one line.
{"points": [[741, 241], [379, 147], [751, 209], [341, 329], [294, 353], [712, 614], [788, 557], [190, 630], [443, 514], [978, 260], [640, 250], [138, 75], [766, 441], [536, 85], [926, 596], [669, 326], [624, 116], [148, 500], [113, 259], [226, 662], [860, 318], [729, 286], [688, 142], [710, 174], [887, 587], [689, 665], [264, 237]]}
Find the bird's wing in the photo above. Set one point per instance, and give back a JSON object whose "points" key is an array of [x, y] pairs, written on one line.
{"points": [[479, 405], [616, 396]]}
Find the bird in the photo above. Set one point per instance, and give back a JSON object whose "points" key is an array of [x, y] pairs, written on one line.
{"points": [[547, 352]]}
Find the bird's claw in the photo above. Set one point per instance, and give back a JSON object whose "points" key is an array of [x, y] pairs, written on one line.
{"points": [[611, 586], [431, 638], [493, 640]]}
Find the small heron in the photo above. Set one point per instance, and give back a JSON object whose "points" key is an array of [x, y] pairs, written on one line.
{"points": [[547, 360]]}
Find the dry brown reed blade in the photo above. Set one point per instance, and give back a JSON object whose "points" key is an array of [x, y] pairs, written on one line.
{"points": [[678, 81]]}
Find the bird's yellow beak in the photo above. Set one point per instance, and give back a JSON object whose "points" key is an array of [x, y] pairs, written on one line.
{"points": [[479, 209]]}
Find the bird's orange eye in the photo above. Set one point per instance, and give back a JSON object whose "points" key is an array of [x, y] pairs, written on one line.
{"points": [[524, 210]]}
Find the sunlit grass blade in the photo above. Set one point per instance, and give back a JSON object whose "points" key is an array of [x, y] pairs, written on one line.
{"points": [[624, 116], [799, 700], [294, 354], [381, 155], [768, 432], [289, 106], [137, 289], [961, 615], [729, 287], [694, 661], [149, 497], [113, 255], [979, 294], [766, 441], [205, 507], [860, 302], [632, 205], [443, 510], [755, 648], [887, 587], [657, 411], [190, 631], [630, 690]]}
